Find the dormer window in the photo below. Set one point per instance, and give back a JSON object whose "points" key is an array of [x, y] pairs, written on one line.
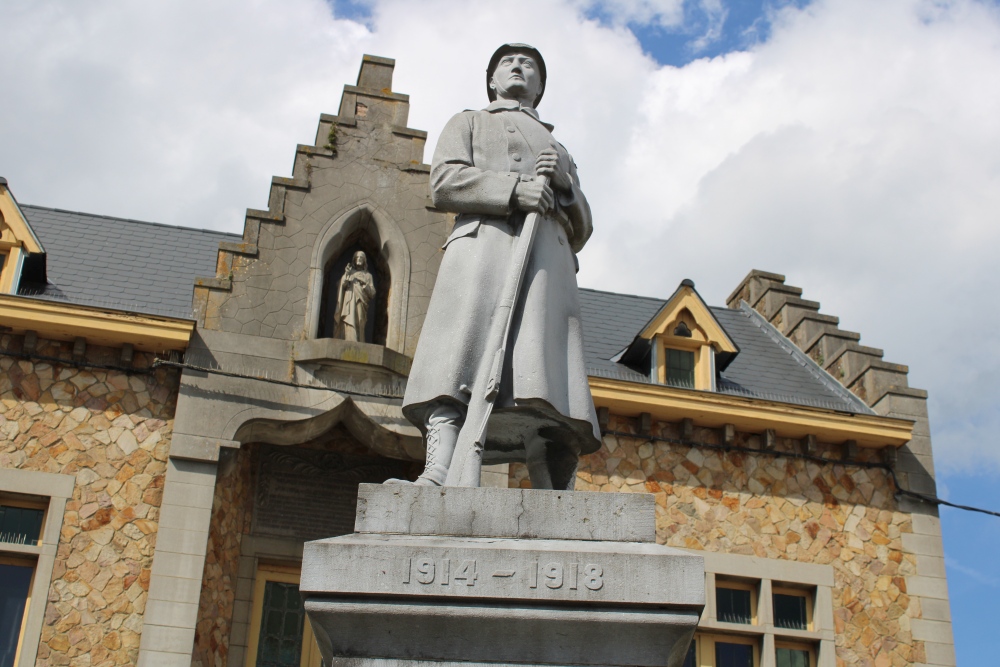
{"points": [[17, 242], [683, 345], [679, 368]]}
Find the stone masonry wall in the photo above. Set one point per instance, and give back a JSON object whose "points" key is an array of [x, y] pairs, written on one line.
{"points": [[231, 515], [112, 431], [777, 507]]}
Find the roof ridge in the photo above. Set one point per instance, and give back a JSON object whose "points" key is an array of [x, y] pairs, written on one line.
{"points": [[634, 296], [804, 359], [133, 220]]}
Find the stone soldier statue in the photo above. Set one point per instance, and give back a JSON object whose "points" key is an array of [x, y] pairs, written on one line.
{"points": [[488, 168], [354, 294]]}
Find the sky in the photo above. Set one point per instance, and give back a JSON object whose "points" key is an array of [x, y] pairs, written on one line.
{"points": [[853, 146]]}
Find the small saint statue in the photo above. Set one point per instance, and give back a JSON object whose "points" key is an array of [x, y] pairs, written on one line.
{"points": [[354, 293]]}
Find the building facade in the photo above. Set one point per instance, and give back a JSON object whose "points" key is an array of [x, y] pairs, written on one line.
{"points": [[176, 421]]}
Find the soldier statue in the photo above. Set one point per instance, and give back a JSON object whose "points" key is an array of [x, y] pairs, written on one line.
{"points": [[493, 168]]}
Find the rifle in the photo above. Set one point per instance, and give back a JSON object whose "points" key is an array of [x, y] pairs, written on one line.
{"points": [[467, 461]]}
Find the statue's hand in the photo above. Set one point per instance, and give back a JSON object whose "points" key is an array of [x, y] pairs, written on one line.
{"points": [[532, 196], [549, 164]]}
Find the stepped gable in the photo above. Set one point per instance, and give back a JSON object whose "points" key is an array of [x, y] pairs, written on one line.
{"points": [[122, 264], [362, 181], [857, 367]]}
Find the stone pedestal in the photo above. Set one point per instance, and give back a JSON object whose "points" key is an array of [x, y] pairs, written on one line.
{"points": [[449, 576]]}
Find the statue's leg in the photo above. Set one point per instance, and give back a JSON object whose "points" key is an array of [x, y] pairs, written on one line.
{"points": [[563, 462], [536, 449], [443, 426]]}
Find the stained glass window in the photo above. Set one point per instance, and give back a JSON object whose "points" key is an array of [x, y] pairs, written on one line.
{"points": [[282, 616]]}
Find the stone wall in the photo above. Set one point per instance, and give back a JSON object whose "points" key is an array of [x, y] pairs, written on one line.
{"points": [[758, 504], [112, 431], [231, 514]]}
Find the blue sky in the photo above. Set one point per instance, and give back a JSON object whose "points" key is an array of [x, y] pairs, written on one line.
{"points": [[853, 145]]}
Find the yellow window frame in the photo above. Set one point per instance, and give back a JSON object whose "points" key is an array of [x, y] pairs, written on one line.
{"points": [[704, 654], [777, 589], [285, 574], [740, 585], [796, 646]]}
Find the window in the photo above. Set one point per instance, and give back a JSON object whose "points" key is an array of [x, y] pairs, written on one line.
{"points": [[17, 576], [20, 523], [718, 650], [755, 604], [680, 368], [728, 654], [794, 655], [792, 609], [735, 602], [280, 635], [691, 659]]}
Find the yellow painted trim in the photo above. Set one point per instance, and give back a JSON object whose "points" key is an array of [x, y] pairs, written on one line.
{"points": [[62, 321], [687, 298], [16, 221], [751, 415], [9, 269]]}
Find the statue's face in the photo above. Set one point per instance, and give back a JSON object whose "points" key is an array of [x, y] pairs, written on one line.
{"points": [[517, 77], [359, 260]]}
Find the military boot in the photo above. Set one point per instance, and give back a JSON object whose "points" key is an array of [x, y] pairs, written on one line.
{"points": [[443, 427]]}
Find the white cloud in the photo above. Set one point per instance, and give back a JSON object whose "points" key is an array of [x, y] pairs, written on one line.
{"points": [[857, 150]]}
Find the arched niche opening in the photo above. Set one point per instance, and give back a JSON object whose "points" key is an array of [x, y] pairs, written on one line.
{"points": [[331, 299], [367, 228]]}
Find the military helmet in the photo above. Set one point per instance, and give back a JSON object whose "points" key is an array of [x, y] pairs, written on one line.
{"points": [[514, 48]]}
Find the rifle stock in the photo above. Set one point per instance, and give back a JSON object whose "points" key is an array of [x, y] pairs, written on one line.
{"points": [[467, 462]]}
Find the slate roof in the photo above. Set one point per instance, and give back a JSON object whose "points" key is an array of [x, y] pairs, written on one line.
{"points": [[768, 366], [143, 267], [150, 268]]}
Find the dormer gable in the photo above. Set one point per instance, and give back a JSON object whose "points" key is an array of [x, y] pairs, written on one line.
{"points": [[20, 250], [683, 345]]}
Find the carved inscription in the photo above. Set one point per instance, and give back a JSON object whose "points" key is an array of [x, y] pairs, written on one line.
{"points": [[553, 575]]}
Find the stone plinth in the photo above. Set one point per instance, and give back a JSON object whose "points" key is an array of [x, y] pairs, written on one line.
{"points": [[467, 576]]}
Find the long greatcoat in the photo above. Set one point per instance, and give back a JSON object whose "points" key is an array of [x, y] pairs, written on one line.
{"points": [[479, 159]]}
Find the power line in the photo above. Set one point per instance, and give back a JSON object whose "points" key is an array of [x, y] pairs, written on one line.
{"points": [[900, 491]]}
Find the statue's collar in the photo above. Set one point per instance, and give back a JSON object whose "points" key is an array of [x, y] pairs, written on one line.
{"points": [[514, 105]]}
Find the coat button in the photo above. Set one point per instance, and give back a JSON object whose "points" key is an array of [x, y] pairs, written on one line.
{"points": [[511, 130], [516, 157]]}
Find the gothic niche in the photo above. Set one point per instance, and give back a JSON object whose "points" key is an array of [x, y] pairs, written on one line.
{"points": [[356, 294]]}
